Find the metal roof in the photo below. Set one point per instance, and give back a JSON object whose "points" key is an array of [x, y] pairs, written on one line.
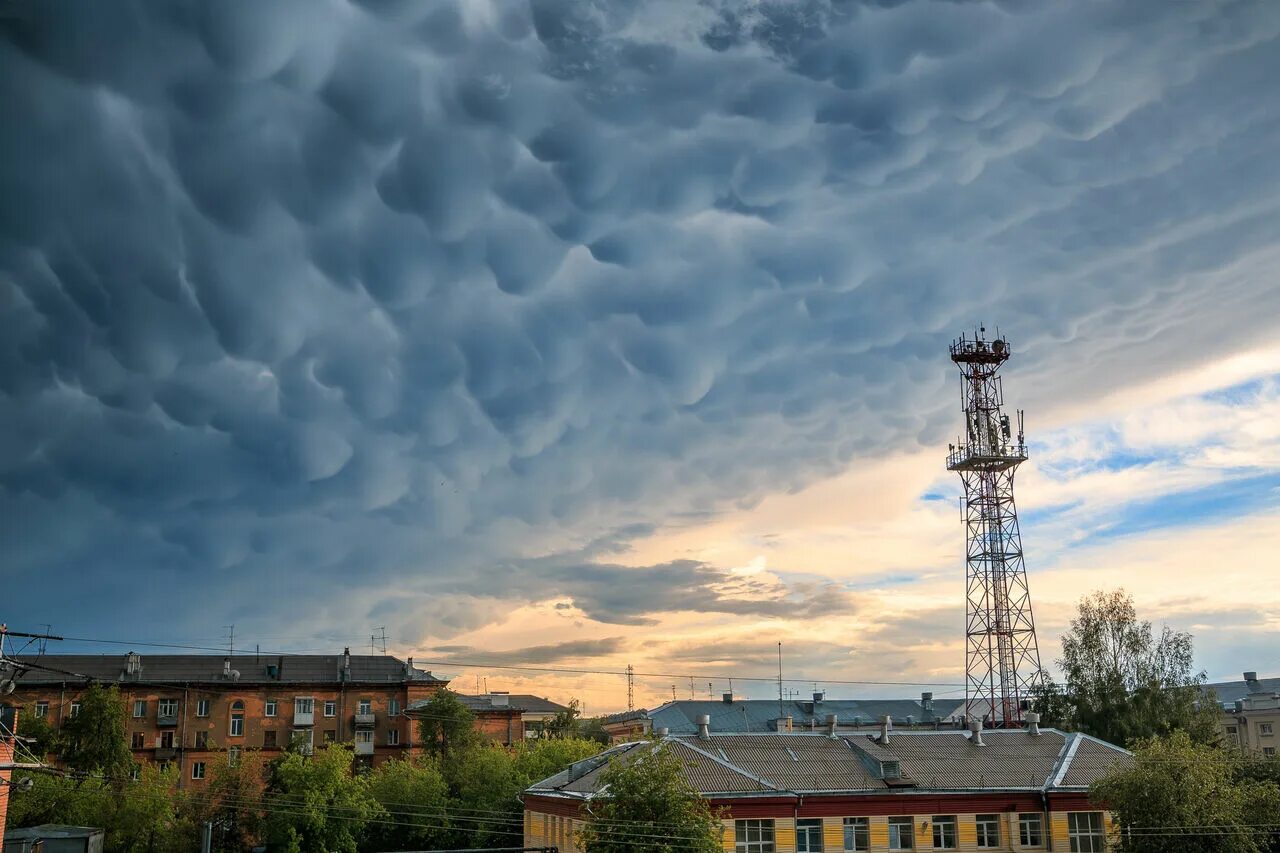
{"points": [[1229, 692], [761, 715], [523, 702], [205, 669], [809, 763]]}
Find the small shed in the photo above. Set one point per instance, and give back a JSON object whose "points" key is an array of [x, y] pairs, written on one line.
{"points": [[55, 838]]}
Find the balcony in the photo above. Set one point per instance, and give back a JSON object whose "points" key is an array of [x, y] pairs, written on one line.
{"points": [[364, 747], [364, 721], [167, 721], [304, 718], [166, 753]]}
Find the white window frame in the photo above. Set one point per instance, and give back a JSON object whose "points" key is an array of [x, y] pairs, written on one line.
{"points": [[393, 737], [1265, 729], [197, 770], [139, 708], [1086, 832], [304, 705], [364, 706], [172, 704], [1268, 751], [857, 834], [897, 840], [1029, 822], [364, 735], [202, 707], [809, 835], [946, 832], [271, 708], [233, 755], [331, 707], [75, 709], [235, 721], [985, 825], [754, 836], [42, 709], [393, 707], [307, 736]]}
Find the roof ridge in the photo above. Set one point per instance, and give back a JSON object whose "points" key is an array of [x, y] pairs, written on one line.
{"points": [[724, 762]]}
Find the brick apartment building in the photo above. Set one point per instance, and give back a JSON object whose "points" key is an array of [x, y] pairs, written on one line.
{"points": [[829, 792], [185, 709], [8, 732]]}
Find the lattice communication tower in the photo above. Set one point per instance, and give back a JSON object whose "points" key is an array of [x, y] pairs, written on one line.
{"points": [[1002, 659]]}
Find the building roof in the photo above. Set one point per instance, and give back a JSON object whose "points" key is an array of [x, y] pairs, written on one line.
{"points": [[523, 702], [1228, 692], [204, 669], [51, 831], [761, 715], [813, 763]]}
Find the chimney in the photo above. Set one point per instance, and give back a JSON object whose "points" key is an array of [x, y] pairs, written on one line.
{"points": [[500, 698], [886, 723], [346, 658], [408, 668], [975, 729], [782, 724], [132, 663], [1251, 680], [831, 725], [926, 702], [1033, 724], [727, 698], [818, 696], [663, 731], [226, 667], [911, 720], [704, 727]]}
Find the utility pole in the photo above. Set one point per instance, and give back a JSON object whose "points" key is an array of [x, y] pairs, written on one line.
{"points": [[781, 712], [631, 688], [231, 640]]}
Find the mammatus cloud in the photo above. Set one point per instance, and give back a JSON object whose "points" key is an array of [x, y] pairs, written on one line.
{"points": [[440, 305]]}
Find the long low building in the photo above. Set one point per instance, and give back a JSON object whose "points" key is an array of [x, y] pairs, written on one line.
{"points": [[810, 792]]}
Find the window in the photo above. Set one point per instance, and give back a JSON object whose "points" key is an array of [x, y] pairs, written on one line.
{"points": [[233, 755], [197, 770], [902, 835], [1231, 730], [269, 738], [393, 737], [136, 773], [1031, 830], [1265, 728], [75, 708], [753, 836], [364, 736], [330, 708], [857, 834], [364, 707], [168, 708], [329, 735], [166, 740], [42, 709], [269, 709], [1268, 751], [393, 707], [139, 708], [237, 719], [1085, 831], [303, 740], [809, 835], [202, 707], [988, 830], [303, 705], [944, 832], [138, 741], [202, 740]]}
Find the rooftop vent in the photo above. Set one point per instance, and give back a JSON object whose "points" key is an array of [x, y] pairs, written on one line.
{"points": [[1033, 724], [886, 723], [663, 731], [975, 729], [500, 698], [818, 696], [727, 698], [1251, 676], [926, 703], [704, 727], [832, 722], [782, 724]]}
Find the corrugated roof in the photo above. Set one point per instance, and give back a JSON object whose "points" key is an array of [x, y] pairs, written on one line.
{"points": [[1230, 691], [800, 763], [192, 669], [761, 715]]}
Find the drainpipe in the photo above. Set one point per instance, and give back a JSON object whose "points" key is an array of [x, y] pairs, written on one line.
{"points": [[182, 735]]}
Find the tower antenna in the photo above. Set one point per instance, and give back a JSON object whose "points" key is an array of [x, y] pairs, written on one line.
{"points": [[631, 688], [1002, 657]]}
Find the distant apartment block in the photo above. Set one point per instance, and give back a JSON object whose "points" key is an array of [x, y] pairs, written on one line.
{"points": [[505, 718], [1250, 712]]}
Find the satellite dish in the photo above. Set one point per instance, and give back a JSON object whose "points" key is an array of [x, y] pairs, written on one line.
{"points": [[997, 346]]}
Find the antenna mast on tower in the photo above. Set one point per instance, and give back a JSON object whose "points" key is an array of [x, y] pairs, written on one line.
{"points": [[1002, 659]]}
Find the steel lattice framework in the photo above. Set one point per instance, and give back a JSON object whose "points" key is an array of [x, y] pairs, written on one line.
{"points": [[1002, 658]]}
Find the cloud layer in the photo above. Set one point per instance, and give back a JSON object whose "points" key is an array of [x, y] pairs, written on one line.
{"points": [[328, 313]]}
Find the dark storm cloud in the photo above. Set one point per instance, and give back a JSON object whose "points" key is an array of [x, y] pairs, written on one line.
{"points": [[311, 311], [552, 653]]}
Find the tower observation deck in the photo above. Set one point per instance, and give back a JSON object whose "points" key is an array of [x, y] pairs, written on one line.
{"points": [[1002, 658]]}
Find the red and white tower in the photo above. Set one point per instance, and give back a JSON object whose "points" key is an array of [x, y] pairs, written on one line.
{"points": [[1002, 659]]}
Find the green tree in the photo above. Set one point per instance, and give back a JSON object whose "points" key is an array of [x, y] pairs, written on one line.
{"points": [[60, 799], [446, 725], [536, 760], [1182, 794], [232, 800], [1126, 683], [565, 723], [40, 734], [484, 792], [94, 741], [650, 808], [146, 814], [314, 803], [413, 792]]}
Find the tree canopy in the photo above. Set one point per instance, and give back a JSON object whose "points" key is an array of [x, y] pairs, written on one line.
{"points": [[314, 803], [650, 808], [94, 741], [445, 725], [1125, 682], [1190, 796]]}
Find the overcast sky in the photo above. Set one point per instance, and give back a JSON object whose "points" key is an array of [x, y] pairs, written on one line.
{"points": [[591, 333]]}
